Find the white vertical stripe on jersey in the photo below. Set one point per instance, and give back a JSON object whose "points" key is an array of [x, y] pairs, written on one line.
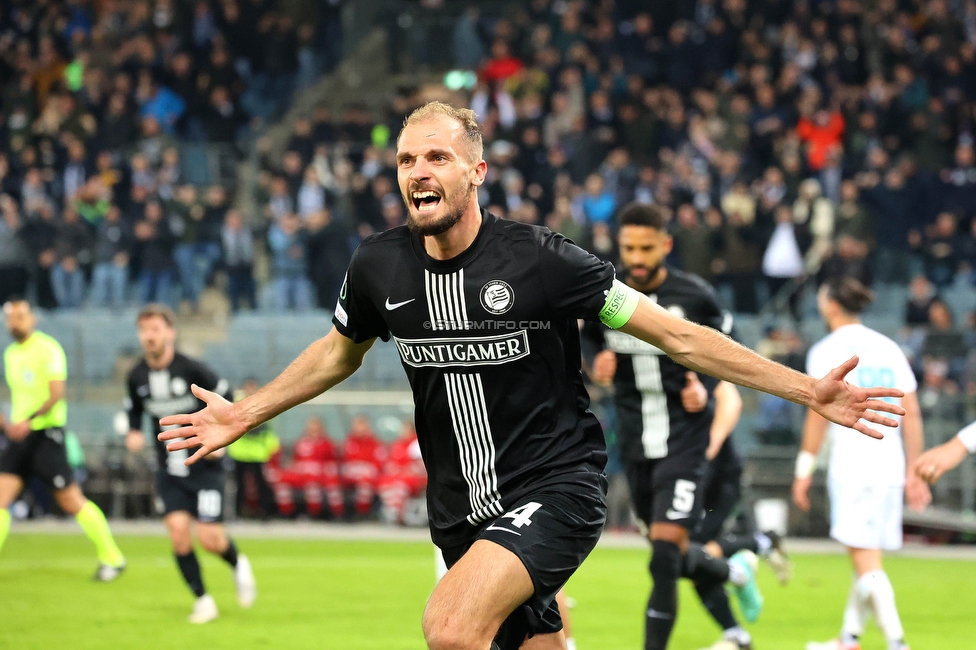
{"points": [[445, 300], [430, 303], [469, 415], [460, 293], [654, 405]]}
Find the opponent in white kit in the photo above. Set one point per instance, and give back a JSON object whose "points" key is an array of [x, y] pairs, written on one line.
{"points": [[867, 478]]}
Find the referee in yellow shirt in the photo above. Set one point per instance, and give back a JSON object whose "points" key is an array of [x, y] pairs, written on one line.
{"points": [[36, 370]]}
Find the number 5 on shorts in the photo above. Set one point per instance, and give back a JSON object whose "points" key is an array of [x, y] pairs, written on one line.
{"points": [[684, 496]]}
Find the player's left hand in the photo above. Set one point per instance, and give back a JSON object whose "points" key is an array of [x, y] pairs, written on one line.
{"points": [[917, 492], [18, 430], [848, 405], [932, 464], [694, 396]]}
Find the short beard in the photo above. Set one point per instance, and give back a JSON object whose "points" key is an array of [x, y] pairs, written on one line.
{"points": [[651, 274], [445, 223]]}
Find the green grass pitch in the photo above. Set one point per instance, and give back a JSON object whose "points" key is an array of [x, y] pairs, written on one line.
{"points": [[370, 596]]}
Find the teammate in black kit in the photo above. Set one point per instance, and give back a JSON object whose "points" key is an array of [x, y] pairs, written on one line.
{"points": [[160, 385], [723, 484], [484, 315], [664, 432]]}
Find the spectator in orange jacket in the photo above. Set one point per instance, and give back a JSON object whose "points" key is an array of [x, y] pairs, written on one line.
{"points": [[821, 134]]}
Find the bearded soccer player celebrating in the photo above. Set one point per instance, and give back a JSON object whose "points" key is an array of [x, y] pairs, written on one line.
{"points": [[484, 314]]}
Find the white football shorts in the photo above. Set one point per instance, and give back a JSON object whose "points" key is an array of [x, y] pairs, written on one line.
{"points": [[866, 516]]}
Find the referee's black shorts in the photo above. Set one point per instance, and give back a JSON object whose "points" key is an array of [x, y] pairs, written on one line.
{"points": [[41, 454], [551, 531]]}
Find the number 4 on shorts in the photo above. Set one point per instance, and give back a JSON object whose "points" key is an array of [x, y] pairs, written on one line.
{"points": [[522, 516]]}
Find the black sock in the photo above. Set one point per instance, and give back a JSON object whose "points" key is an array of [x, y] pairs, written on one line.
{"points": [[190, 568], [732, 544], [716, 601], [662, 606], [230, 555], [702, 567]]}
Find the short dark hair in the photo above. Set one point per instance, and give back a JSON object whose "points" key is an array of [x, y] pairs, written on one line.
{"points": [[155, 309], [641, 214], [852, 296]]}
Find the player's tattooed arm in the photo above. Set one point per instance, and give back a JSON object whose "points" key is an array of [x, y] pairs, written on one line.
{"points": [[705, 350], [321, 366]]}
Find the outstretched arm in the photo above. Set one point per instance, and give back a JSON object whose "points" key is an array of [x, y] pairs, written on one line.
{"points": [[706, 350], [321, 366]]}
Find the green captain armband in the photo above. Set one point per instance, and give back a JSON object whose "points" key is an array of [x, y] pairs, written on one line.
{"points": [[620, 305]]}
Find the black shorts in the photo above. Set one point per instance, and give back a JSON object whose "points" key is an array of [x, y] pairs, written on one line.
{"points": [[669, 489], [40, 454], [201, 495], [551, 531], [721, 496]]}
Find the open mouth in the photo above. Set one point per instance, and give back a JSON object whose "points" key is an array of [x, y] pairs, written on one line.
{"points": [[426, 200]]}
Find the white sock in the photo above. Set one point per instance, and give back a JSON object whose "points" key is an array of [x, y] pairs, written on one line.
{"points": [[737, 635], [570, 644], [882, 598], [855, 615]]}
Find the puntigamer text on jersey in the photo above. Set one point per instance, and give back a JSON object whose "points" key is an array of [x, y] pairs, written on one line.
{"points": [[465, 351]]}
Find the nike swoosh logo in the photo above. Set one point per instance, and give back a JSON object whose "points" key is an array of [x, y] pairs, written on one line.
{"points": [[507, 530], [653, 613], [672, 515], [395, 305]]}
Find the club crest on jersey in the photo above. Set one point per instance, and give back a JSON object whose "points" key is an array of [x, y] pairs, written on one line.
{"points": [[178, 386], [497, 297]]}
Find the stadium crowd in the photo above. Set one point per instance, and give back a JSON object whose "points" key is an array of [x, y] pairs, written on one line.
{"points": [[96, 99]]}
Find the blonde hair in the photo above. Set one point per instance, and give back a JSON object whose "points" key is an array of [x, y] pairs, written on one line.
{"points": [[465, 117]]}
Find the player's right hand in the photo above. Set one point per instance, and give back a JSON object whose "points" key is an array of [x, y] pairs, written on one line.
{"points": [[932, 464], [694, 396], [801, 493], [209, 429], [135, 441], [604, 367]]}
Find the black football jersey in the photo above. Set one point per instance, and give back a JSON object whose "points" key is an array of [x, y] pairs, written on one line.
{"points": [[159, 393], [490, 344], [651, 422]]}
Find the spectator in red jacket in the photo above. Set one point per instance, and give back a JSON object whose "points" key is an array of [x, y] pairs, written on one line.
{"points": [[404, 475], [363, 456], [501, 65], [314, 467], [822, 135]]}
